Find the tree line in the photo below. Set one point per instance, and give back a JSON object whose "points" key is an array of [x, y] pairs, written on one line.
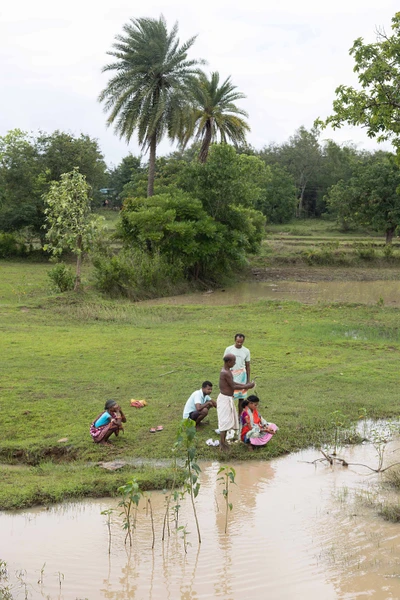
{"points": [[203, 207]]}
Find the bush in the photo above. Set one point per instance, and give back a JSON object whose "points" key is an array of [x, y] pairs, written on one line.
{"points": [[136, 274], [388, 252], [365, 251], [328, 255], [62, 277], [10, 246]]}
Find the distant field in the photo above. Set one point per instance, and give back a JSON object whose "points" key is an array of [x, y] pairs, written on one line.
{"points": [[316, 242]]}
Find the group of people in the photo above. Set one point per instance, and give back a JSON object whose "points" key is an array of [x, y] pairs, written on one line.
{"points": [[234, 383]]}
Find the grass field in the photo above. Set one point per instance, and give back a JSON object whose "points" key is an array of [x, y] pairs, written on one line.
{"points": [[63, 356], [315, 242]]}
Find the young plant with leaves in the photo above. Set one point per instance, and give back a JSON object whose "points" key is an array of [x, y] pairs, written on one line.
{"points": [[69, 220], [227, 479], [186, 442], [131, 495]]}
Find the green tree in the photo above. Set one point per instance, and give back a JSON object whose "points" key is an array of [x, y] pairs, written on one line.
{"points": [[370, 198], [148, 91], [226, 180], [278, 200], [129, 169], [301, 156], [376, 105], [70, 223], [206, 217], [61, 152], [22, 183], [212, 113]]}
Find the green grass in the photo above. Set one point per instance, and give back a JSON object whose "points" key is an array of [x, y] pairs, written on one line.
{"points": [[62, 357], [318, 242]]}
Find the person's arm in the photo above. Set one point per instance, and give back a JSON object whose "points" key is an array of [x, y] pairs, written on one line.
{"points": [[247, 364], [244, 386]]}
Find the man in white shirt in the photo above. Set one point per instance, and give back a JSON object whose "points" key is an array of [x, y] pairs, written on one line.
{"points": [[241, 368], [199, 403]]}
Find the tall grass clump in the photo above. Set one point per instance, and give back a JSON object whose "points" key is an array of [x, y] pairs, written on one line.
{"points": [[136, 275], [62, 278]]}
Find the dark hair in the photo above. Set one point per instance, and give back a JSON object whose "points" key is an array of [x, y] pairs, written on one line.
{"points": [[109, 404], [243, 405], [229, 357], [239, 335], [254, 399], [206, 383]]}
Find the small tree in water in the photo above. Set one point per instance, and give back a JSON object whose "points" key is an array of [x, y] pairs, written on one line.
{"points": [[70, 223]]}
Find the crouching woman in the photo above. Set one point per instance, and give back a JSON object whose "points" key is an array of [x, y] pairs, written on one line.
{"points": [[255, 430], [108, 422]]}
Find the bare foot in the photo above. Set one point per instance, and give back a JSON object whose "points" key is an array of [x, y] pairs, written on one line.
{"points": [[251, 449], [224, 447], [105, 443]]}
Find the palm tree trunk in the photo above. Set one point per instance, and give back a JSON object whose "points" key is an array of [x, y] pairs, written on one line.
{"points": [[152, 166], [205, 146]]}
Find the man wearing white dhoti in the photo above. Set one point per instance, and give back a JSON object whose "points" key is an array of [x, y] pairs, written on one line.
{"points": [[227, 414]]}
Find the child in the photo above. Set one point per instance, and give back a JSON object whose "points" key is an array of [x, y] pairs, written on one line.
{"points": [[108, 422], [255, 430]]}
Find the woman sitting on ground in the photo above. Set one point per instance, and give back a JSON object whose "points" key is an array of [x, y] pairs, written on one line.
{"points": [[255, 430], [108, 422]]}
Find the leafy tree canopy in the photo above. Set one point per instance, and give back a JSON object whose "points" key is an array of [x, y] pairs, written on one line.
{"points": [[376, 105], [370, 198]]}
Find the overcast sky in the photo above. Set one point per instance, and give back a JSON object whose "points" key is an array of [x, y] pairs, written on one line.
{"points": [[287, 56]]}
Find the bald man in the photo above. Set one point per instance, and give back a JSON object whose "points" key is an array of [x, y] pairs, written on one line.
{"points": [[227, 414]]}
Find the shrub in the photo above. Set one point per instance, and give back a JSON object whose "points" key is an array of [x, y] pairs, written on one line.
{"points": [[62, 277], [10, 246], [327, 255], [388, 251], [365, 251], [136, 274]]}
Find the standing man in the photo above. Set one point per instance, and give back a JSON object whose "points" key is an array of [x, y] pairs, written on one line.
{"points": [[241, 368], [199, 403], [227, 414]]}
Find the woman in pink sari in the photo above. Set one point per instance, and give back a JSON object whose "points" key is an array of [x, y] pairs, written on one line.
{"points": [[255, 430]]}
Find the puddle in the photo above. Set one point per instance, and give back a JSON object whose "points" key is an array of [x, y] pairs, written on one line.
{"points": [[359, 292], [295, 532]]}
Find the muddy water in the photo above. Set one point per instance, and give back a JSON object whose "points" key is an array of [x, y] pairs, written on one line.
{"points": [[364, 292], [296, 531]]}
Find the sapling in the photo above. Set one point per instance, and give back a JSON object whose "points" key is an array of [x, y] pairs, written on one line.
{"points": [[185, 440], [227, 479], [130, 501], [108, 512]]}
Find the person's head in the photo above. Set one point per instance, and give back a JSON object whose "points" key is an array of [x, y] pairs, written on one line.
{"points": [[253, 401], [244, 404], [229, 360], [206, 387], [110, 404], [239, 340]]}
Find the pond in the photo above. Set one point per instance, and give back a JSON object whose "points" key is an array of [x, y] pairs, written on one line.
{"points": [[296, 530], [363, 292]]}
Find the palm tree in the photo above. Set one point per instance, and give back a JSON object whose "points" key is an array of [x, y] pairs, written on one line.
{"points": [[146, 93], [213, 112]]}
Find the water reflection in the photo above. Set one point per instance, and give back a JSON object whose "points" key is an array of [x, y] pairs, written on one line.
{"points": [[295, 531], [359, 292]]}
